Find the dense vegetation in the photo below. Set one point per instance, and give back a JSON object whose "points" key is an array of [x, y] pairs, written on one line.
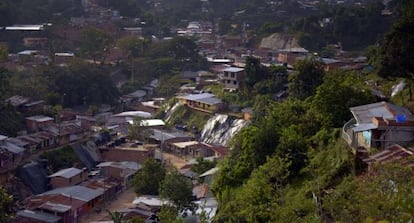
{"points": [[62, 158], [291, 164]]}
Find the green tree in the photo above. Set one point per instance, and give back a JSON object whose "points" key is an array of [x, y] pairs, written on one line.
{"points": [[398, 48], [6, 206], [178, 189], [116, 217], [168, 85], [254, 71], [4, 53], [170, 214], [4, 84], [307, 77], [60, 159], [340, 91], [203, 165], [263, 189], [133, 46], [385, 194], [149, 178], [95, 43]]}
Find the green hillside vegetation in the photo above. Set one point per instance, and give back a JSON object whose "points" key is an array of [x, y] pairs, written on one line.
{"points": [[61, 159], [291, 164]]}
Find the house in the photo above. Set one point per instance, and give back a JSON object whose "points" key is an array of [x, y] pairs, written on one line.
{"points": [[204, 102], [69, 209], [229, 41], [139, 213], [128, 153], [289, 55], [194, 149], [379, 125], [232, 78], [134, 97], [29, 216], [153, 203], [394, 153], [10, 154], [67, 177], [35, 123], [34, 106], [69, 131], [63, 58], [35, 41], [123, 171], [163, 137], [110, 186], [91, 198]]}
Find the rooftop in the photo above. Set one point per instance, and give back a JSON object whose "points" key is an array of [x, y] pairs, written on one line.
{"points": [[56, 207], [141, 114], [40, 118], [67, 173], [233, 69], [123, 165], [149, 201], [385, 110], [40, 216], [12, 148], [390, 154], [77, 192], [183, 145]]}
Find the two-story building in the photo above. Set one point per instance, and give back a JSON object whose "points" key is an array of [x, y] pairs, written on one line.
{"points": [[232, 77], [35, 123]]}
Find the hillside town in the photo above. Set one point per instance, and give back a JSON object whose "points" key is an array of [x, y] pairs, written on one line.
{"points": [[231, 104]]}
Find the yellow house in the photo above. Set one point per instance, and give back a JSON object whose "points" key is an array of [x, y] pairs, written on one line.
{"points": [[205, 102]]}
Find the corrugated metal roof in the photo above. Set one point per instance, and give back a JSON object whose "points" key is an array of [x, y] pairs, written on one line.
{"points": [[233, 69], [365, 113], [55, 207], [210, 172], [182, 145], [67, 173], [123, 165], [12, 148], [77, 192], [390, 154], [40, 216], [163, 135], [40, 118], [196, 97], [211, 101]]}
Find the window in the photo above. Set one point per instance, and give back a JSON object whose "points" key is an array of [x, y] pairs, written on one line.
{"points": [[235, 82], [232, 75]]}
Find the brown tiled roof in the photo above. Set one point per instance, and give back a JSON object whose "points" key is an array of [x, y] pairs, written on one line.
{"points": [[390, 154]]}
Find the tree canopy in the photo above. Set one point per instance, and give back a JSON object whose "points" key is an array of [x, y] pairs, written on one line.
{"points": [[6, 206], [178, 189], [149, 178]]}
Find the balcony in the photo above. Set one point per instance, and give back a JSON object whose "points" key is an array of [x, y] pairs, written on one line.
{"points": [[347, 133]]}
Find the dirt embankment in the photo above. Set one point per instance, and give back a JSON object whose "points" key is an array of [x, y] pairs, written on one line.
{"points": [[278, 41]]}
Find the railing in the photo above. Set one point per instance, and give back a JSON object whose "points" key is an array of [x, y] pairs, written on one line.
{"points": [[345, 134]]}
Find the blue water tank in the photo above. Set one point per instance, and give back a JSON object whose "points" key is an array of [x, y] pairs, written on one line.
{"points": [[400, 118]]}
